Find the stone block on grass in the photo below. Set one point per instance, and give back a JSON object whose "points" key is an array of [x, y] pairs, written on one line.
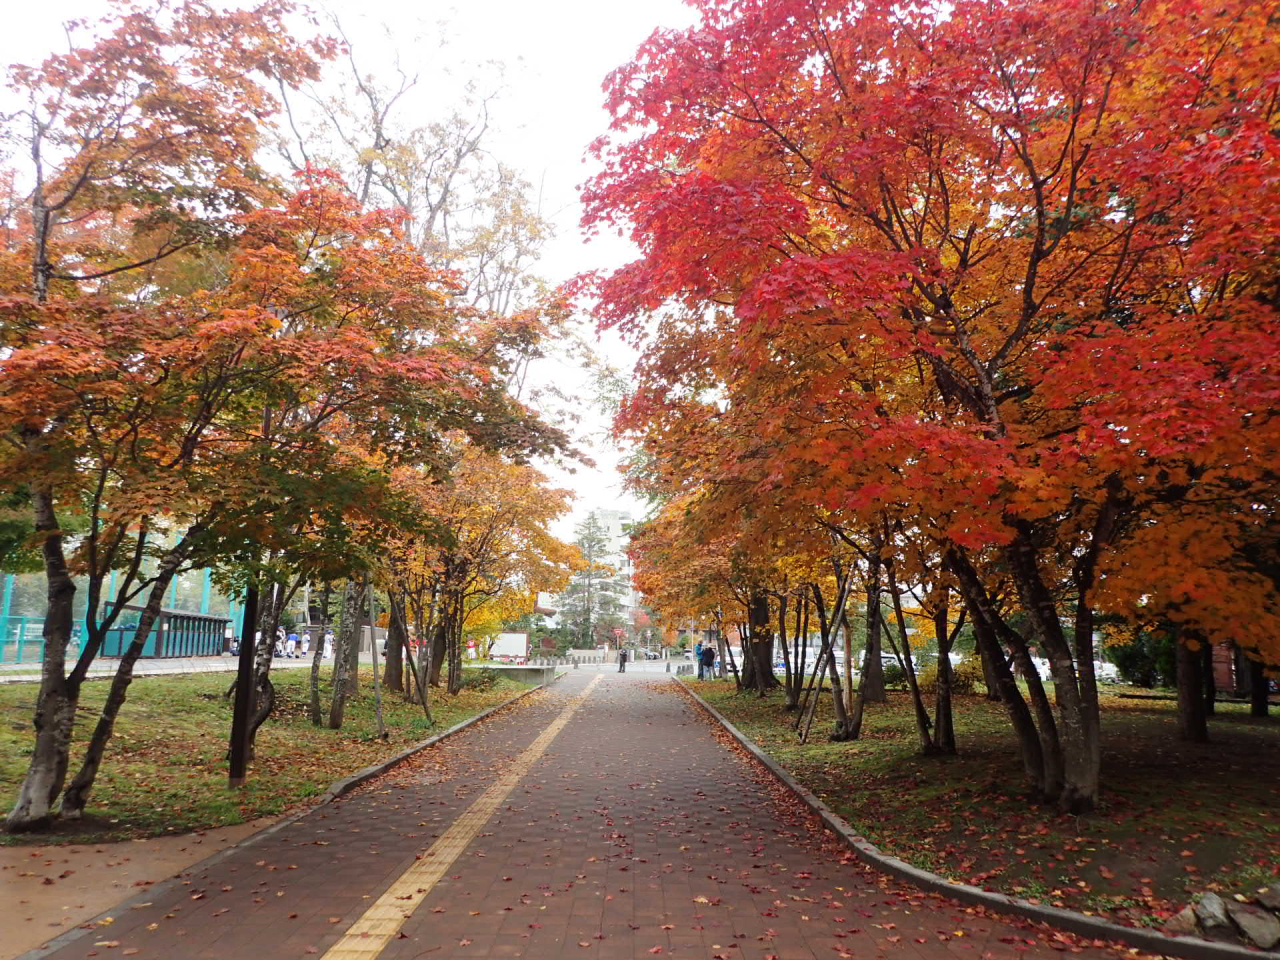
{"points": [[1258, 926], [1212, 912], [1182, 924]]}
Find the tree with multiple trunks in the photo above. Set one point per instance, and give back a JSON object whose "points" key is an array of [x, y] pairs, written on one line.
{"points": [[139, 147], [484, 554], [985, 276], [208, 367]]}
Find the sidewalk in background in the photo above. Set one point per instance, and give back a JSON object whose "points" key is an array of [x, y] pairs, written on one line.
{"points": [[106, 667]]}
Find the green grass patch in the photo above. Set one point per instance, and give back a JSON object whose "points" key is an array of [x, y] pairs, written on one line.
{"points": [[165, 770], [1175, 819]]}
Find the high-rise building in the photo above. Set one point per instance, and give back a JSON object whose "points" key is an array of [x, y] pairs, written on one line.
{"points": [[616, 523]]}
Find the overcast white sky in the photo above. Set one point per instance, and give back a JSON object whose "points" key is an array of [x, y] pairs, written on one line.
{"points": [[555, 54]]}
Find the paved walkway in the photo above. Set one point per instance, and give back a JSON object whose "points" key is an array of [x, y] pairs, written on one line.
{"points": [[601, 818]]}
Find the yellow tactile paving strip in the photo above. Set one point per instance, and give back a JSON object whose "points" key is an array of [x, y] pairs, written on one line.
{"points": [[368, 936]]}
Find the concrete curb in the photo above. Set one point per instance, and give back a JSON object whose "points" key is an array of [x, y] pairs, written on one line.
{"points": [[1149, 941], [337, 790]]}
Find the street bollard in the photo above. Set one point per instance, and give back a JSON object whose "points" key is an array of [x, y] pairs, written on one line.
{"points": [[668, 666]]}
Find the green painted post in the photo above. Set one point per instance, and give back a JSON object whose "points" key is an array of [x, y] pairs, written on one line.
{"points": [[4, 613], [173, 593], [82, 634], [206, 590], [232, 616]]}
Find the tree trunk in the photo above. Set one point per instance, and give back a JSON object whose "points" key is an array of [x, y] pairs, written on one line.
{"points": [[1210, 681], [819, 672], [845, 727], [748, 678], [904, 658], [57, 700], [396, 642], [347, 636], [1091, 713], [787, 683], [989, 679], [759, 650], [352, 648], [944, 728], [846, 633], [871, 684], [1077, 733], [439, 646], [724, 659], [849, 727], [1242, 675], [453, 644], [264, 694], [318, 657], [425, 666], [1193, 722], [377, 689], [1258, 699], [76, 796], [1042, 771], [737, 677], [801, 645]]}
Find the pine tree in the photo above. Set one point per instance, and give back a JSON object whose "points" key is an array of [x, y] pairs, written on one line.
{"points": [[591, 606]]}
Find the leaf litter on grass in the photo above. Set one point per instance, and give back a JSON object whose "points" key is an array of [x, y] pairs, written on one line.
{"points": [[165, 769], [968, 819]]}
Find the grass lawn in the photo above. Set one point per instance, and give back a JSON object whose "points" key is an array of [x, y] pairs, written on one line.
{"points": [[1176, 818], [165, 770]]}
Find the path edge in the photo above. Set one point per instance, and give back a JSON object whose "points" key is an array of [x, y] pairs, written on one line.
{"points": [[1150, 941], [337, 790]]}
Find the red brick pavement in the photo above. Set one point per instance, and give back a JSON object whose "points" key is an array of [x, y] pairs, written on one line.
{"points": [[639, 833]]}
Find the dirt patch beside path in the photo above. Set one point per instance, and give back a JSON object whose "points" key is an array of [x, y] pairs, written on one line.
{"points": [[47, 890]]}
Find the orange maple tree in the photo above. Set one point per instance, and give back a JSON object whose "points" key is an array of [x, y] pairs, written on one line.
{"points": [[991, 271], [211, 368]]}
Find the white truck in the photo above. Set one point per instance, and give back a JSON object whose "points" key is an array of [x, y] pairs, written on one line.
{"points": [[510, 648]]}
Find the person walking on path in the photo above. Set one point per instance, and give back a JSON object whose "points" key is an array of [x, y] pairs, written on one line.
{"points": [[622, 661], [697, 657], [291, 645], [306, 642], [707, 662]]}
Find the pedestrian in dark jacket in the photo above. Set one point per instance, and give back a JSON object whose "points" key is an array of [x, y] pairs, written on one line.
{"points": [[622, 661], [707, 662]]}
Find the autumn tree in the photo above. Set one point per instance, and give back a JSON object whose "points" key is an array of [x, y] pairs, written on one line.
{"points": [[204, 367], [140, 144], [482, 553], [968, 269]]}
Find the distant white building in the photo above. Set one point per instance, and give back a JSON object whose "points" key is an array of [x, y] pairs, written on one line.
{"points": [[615, 523]]}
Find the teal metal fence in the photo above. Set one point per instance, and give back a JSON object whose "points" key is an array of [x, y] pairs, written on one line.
{"points": [[176, 633], [22, 639]]}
